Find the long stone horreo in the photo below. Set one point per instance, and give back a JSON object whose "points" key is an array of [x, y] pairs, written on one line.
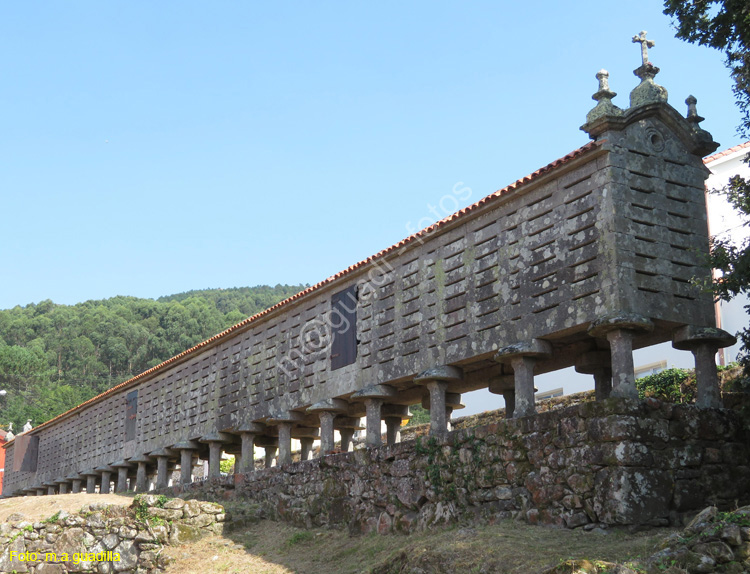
{"points": [[590, 257]]}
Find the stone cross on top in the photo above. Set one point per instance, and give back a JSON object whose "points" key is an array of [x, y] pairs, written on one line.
{"points": [[645, 45]]}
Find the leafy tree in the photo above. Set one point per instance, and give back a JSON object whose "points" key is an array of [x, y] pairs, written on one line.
{"points": [[725, 25], [54, 357]]}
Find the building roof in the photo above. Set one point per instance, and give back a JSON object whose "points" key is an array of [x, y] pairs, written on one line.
{"points": [[398, 246], [726, 152]]}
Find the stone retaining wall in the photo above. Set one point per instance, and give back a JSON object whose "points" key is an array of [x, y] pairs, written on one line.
{"points": [[613, 462], [102, 528]]}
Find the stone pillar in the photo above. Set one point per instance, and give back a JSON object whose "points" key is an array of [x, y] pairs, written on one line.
{"points": [[346, 439], [306, 447], [392, 430], [215, 440], [285, 443], [91, 484], [186, 449], [510, 403], [214, 459], [620, 328], [327, 411], [247, 456], [122, 479], [50, 489], [704, 342], [41, 491], [104, 483], [522, 357], [523, 374], [623, 369], [140, 480], [599, 364], [63, 488], [373, 437], [76, 486], [162, 472], [186, 466], [270, 454], [436, 380], [438, 419], [326, 432]]}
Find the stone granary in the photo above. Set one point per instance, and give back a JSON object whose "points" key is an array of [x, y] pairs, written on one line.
{"points": [[582, 261]]}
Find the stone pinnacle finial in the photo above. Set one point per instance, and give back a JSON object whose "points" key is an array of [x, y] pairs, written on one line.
{"points": [[647, 91], [692, 114], [645, 45], [603, 97]]}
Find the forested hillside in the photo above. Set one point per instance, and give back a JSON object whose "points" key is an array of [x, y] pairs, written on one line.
{"points": [[53, 357]]}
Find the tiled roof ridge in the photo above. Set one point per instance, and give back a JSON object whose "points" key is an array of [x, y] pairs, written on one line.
{"points": [[726, 152], [426, 231]]}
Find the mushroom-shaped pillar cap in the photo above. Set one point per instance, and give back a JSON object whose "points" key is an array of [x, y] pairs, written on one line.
{"points": [[101, 469], [27, 489], [593, 362], [531, 348], [122, 464], [452, 400], [161, 452], [251, 427], [216, 437], [49, 483], [141, 458], [89, 472], [375, 392], [285, 417], [395, 411], [72, 477], [500, 384], [187, 445], [353, 423], [689, 337], [266, 441], [305, 432], [61, 480], [329, 405], [620, 320], [439, 373]]}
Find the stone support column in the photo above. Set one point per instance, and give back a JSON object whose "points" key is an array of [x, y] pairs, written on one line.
{"points": [[122, 475], [247, 454], [63, 487], [41, 491], [214, 459], [285, 443], [104, 482], [141, 477], [437, 380], [623, 369], [186, 449], [392, 430], [346, 439], [599, 364], [510, 403], [76, 485], [326, 432], [237, 462], [215, 441], [373, 437], [522, 357], [704, 342], [91, 484], [327, 411], [270, 454], [50, 488], [620, 328], [306, 447]]}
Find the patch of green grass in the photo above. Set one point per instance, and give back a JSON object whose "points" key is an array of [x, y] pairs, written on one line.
{"points": [[300, 538]]}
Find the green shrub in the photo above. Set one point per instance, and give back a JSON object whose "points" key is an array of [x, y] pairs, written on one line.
{"points": [[671, 385]]}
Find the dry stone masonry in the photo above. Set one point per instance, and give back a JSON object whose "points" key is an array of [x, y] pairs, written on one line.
{"points": [[106, 539], [577, 264]]}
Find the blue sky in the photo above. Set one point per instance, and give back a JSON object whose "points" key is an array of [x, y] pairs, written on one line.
{"points": [[149, 148]]}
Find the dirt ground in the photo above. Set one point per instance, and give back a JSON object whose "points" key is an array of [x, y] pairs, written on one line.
{"points": [[40, 507]]}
